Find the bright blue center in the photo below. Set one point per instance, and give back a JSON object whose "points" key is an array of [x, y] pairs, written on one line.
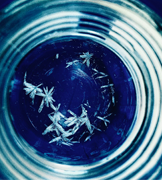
{"points": [[104, 88]]}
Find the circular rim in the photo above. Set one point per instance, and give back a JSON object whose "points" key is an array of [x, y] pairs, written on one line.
{"points": [[132, 35]]}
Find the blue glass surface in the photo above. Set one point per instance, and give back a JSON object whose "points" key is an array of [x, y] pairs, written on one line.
{"points": [[103, 87]]}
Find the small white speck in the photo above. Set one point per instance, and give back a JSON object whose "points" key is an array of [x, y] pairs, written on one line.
{"points": [[57, 56]]}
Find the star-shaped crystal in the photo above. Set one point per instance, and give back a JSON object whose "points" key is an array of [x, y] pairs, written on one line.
{"points": [[47, 98], [86, 56], [104, 119], [71, 63], [31, 89]]}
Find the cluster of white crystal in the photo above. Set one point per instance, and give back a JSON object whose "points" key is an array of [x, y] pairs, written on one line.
{"points": [[32, 91], [73, 123]]}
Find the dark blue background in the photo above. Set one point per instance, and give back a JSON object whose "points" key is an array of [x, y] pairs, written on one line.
{"points": [[74, 86], [155, 5]]}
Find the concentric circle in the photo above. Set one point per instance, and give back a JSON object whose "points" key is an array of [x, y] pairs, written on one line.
{"points": [[122, 27], [92, 102]]}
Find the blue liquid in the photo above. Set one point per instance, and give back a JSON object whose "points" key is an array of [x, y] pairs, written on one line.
{"points": [[75, 86]]}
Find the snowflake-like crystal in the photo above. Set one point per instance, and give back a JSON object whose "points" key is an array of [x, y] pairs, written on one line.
{"points": [[31, 89], [71, 63], [86, 56], [104, 119], [47, 98]]}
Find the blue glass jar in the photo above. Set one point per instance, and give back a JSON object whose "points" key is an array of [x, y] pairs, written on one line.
{"points": [[81, 90]]}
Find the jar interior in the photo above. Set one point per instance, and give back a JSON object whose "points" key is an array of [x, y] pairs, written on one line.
{"points": [[73, 100]]}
